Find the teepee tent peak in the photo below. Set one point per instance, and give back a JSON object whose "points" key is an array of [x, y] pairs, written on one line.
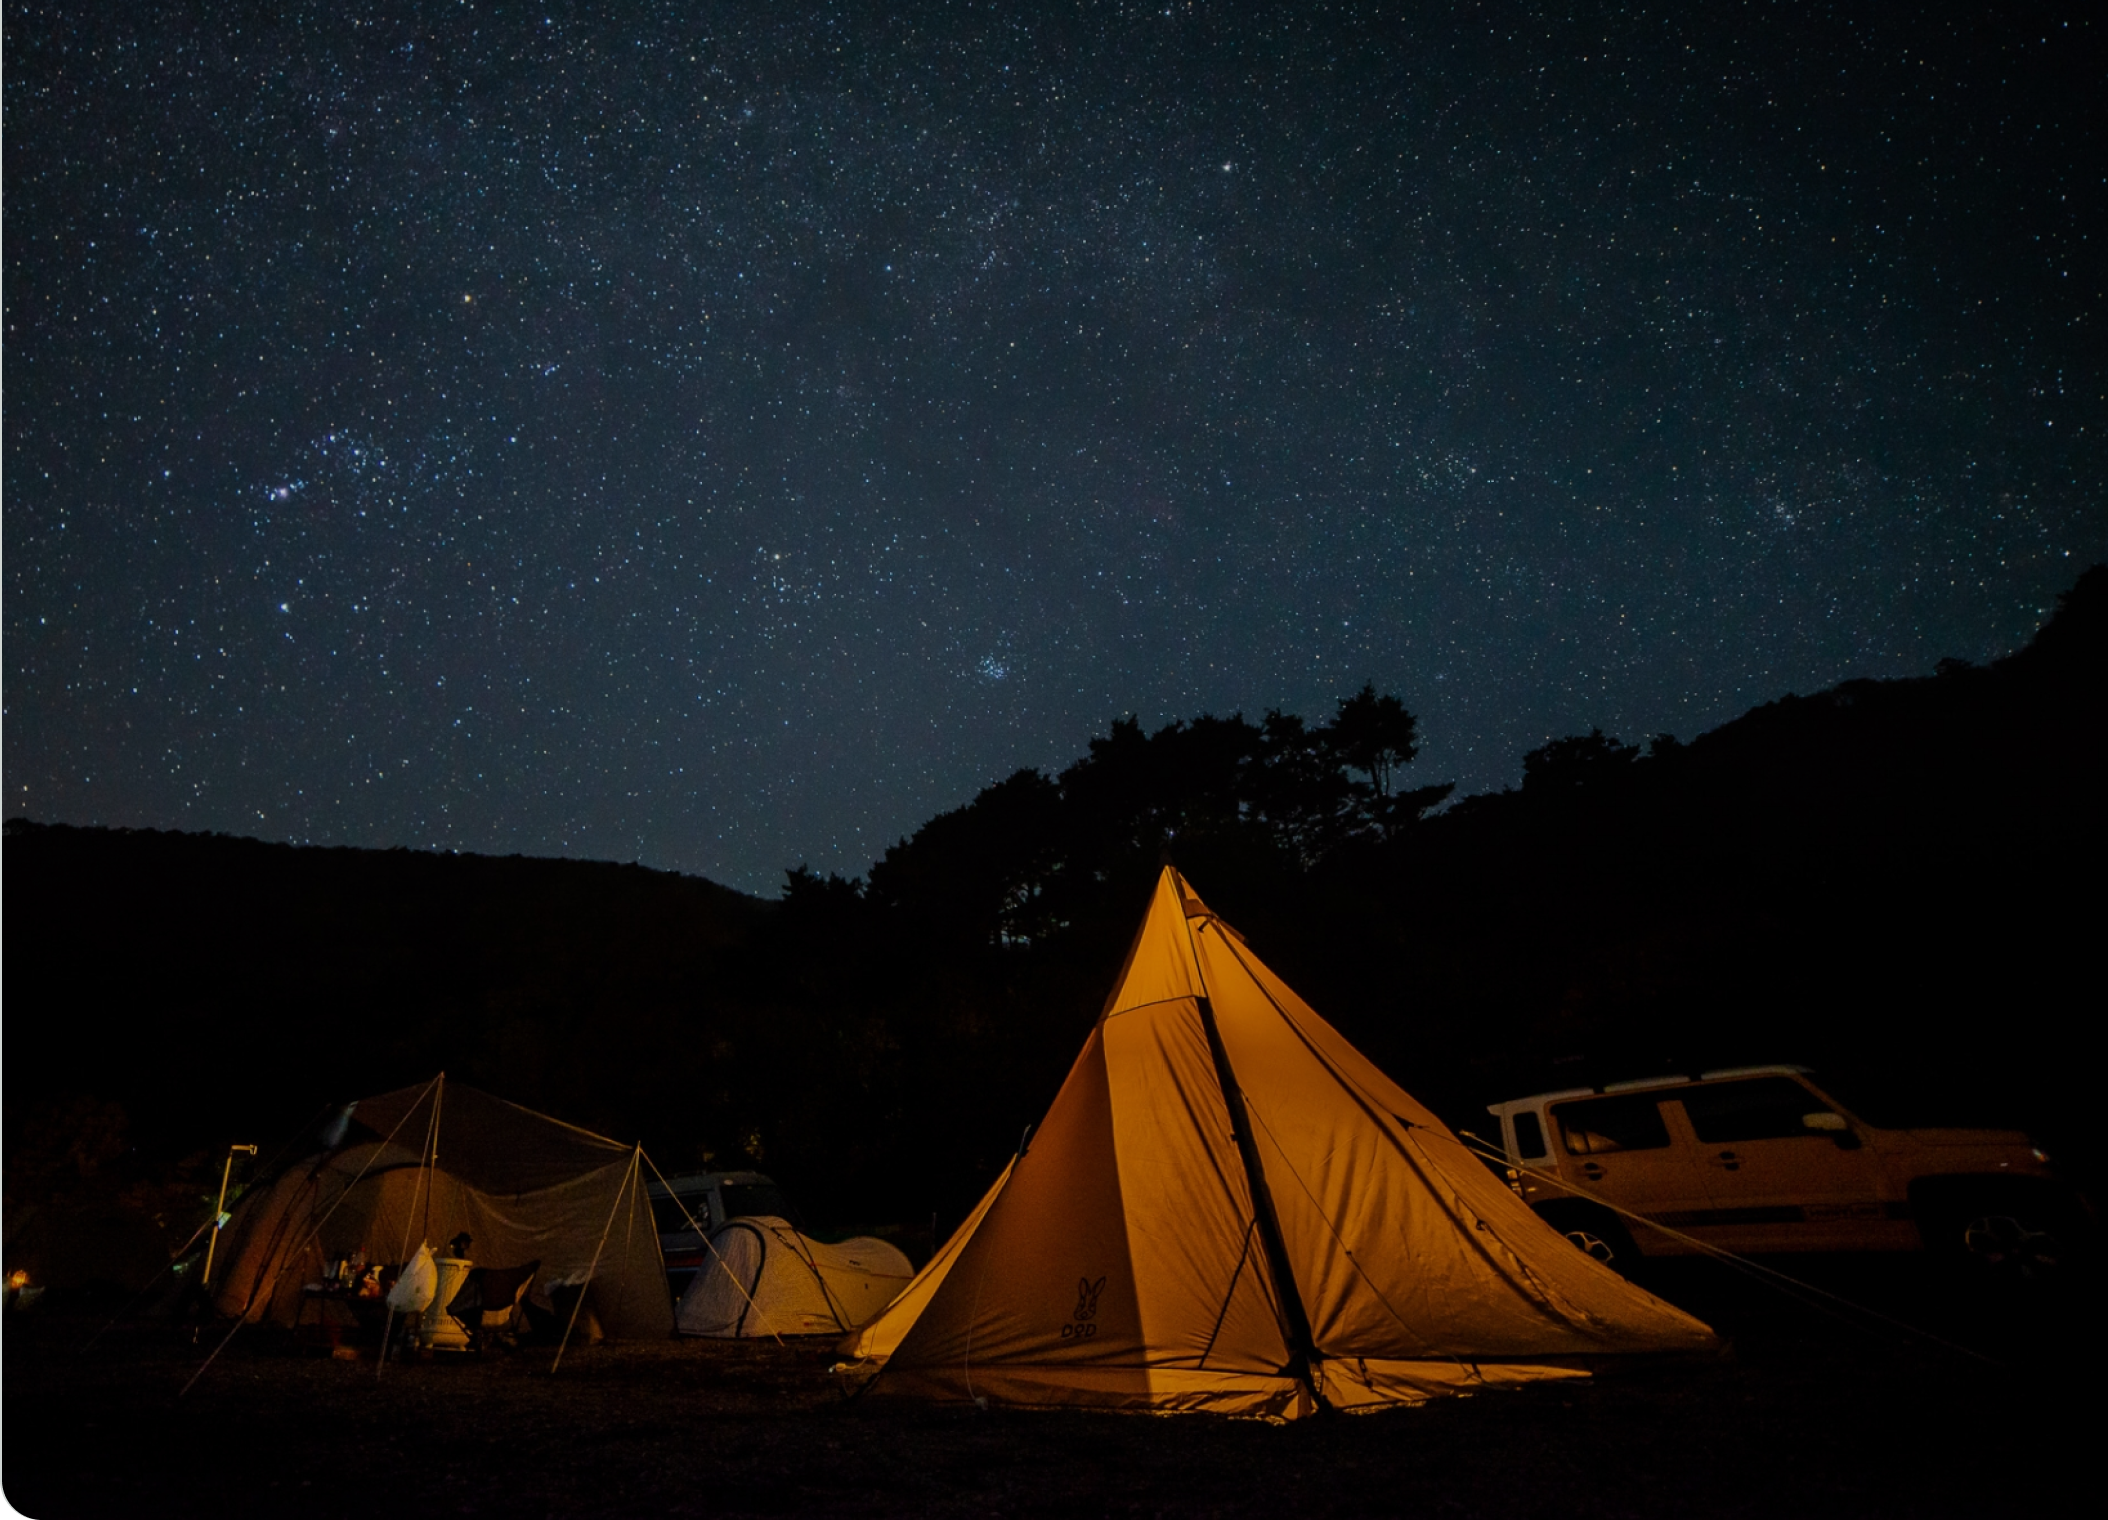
{"points": [[1229, 1208]]}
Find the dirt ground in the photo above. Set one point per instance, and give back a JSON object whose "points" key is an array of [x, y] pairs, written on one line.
{"points": [[1807, 1417]]}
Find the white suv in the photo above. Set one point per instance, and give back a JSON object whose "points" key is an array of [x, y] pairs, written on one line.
{"points": [[1759, 1159]]}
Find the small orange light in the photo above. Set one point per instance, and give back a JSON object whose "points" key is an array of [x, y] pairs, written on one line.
{"points": [[17, 1279]]}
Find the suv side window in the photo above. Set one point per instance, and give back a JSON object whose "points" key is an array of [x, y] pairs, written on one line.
{"points": [[1766, 1108], [1599, 1126], [1529, 1136]]}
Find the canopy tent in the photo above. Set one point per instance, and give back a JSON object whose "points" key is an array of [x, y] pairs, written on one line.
{"points": [[1228, 1208], [765, 1278], [420, 1165]]}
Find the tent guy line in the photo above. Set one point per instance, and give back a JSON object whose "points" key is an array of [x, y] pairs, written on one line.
{"points": [[1258, 1118], [1318, 1208], [710, 1245], [1780, 1282]]}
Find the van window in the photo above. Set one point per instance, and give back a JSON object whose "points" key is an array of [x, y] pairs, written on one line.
{"points": [[1529, 1136], [1765, 1108], [666, 1213], [1598, 1126]]}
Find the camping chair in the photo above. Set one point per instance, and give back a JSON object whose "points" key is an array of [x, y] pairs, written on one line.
{"points": [[488, 1302]]}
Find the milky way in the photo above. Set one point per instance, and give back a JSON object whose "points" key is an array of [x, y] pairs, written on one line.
{"points": [[724, 436]]}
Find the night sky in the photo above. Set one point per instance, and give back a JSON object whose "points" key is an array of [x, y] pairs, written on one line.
{"points": [[724, 436]]}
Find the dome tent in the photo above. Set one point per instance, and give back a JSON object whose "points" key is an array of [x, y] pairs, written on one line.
{"points": [[765, 1278], [424, 1163], [1229, 1209]]}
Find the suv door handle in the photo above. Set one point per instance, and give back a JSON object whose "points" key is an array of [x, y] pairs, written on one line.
{"points": [[1727, 1162], [1591, 1171]]}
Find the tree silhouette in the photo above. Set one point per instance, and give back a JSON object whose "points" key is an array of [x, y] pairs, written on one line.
{"points": [[1577, 761], [1373, 734]]}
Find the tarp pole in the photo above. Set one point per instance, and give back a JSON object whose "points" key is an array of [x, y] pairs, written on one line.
{"points": [[219, 1210], [431, 1151], [438, 1100], [630, 1179], [709, 1246]]}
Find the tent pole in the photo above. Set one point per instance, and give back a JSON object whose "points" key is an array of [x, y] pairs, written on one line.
{"points": [[380, 1361], [219, 1211], [628, 1181], [438, 1099]]}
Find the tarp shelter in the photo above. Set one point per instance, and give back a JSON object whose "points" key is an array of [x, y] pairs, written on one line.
{"points": [[1228, 1208], [761, 1277], [423, 1164]]}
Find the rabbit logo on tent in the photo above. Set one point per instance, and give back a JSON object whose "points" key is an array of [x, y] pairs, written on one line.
{"points": [[1084, 1325]]}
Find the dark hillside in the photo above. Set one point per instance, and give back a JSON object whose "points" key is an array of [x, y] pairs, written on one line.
{"points": [[173, 992]]}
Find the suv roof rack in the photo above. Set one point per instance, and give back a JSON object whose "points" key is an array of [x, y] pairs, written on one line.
{"points": [[698, 1181], [1641, 1084]]}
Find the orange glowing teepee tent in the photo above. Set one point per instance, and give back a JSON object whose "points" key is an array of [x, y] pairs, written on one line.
{"points": [[1228, 1208]]}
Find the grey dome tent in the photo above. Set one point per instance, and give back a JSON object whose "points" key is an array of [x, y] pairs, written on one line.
{"points": [[766, 1278]]}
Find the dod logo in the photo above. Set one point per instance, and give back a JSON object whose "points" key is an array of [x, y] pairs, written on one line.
{"points": [[1085, 1323]]}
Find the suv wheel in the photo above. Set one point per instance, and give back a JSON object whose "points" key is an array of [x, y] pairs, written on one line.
{"points": [[1594, 1231], [2013, 1229], [2006, 1244]]}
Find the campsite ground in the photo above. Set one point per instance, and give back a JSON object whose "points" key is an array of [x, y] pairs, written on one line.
{"points": [[1808, 1417]]}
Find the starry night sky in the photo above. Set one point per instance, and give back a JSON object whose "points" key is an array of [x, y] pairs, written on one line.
{"points": [[723, 436]]}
